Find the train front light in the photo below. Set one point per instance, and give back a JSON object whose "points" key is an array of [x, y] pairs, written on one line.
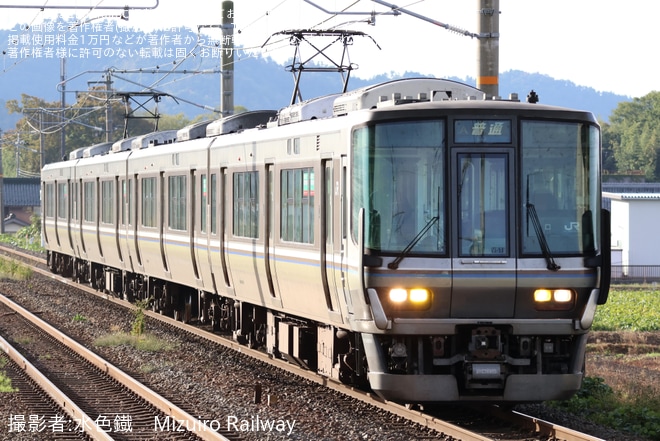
{"points": [[554, 299], [398, 295], [414, 298], [419, 295]]}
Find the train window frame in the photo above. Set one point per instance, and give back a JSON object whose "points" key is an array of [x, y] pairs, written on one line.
{"points": [[293, 146], [382, 208], [245, 201], [297, 199], [62, 200], [177, 202], [89, 201], [122, 202], [483, 204], [214, 203], [203, 205], [108, 202], [148, 201], [49, 200], [565, 214], [75, 214]]}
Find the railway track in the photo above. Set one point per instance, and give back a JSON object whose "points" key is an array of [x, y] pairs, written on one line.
{"points": [[98, 399], [507, 426], [34, 412]]}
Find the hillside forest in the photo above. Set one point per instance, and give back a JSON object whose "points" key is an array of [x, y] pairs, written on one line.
{"points": [[631, 138]]}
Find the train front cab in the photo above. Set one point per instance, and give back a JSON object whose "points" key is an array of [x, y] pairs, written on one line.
{"points": [[492, 294]]}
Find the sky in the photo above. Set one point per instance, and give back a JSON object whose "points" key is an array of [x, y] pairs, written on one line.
{"points": [[607, 45]]}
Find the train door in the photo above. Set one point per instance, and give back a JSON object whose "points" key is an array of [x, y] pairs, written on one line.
{"points": [[215, 233], [341, 241], [329, 249], [269, 248], [59, 199], [69, 233], [126, 221], [118, 226], [80, 196], [224, 199], [483, 233], [132, 236], [201, 231]]}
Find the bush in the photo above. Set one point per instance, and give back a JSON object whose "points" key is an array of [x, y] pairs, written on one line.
{"points": [[27, 238]]}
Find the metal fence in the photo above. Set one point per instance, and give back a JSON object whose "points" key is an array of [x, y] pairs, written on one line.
{"points": [[635, 273]]}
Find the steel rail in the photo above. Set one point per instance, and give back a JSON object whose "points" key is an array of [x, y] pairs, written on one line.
{"points": [[539, 426], [60, 398], [121, 377]]}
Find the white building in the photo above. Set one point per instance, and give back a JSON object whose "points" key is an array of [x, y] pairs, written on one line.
{"points": [[635, 238]]}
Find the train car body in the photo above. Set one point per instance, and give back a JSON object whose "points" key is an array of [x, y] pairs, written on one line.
{"points": [[410, 235]]}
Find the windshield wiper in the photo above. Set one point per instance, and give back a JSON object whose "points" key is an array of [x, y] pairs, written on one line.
{"points": [[395, 263], [540, 235]]}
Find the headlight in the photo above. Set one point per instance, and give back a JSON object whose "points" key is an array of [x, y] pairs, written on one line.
{"points": [[398, 295], [542, 295], [419, 295], [563, 295], [414, 298], [554, 299]]}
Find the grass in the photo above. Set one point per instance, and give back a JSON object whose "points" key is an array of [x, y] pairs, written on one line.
{"points": [[79, 318], [625, 392], [5, 382], [144, 342], [630, 308], [599, 403], [11, 269]]}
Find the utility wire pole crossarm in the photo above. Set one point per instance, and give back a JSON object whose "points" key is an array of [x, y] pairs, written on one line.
{"points": [[488, 37]]}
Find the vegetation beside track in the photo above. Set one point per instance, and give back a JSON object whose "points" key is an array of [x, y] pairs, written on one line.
{"points": [[623, 361], [621, 390]]}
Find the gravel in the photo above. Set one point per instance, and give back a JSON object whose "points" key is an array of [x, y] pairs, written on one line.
{"points": [[219, 384]]}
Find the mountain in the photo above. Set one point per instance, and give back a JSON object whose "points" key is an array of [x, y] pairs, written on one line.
{"points": [[32, 65]]}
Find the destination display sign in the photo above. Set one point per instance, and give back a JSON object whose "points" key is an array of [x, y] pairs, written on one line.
{"points": [[482, 131]]}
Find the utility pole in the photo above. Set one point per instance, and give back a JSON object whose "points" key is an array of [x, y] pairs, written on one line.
{"points": [[2, 189], [63, 106], [108, 110], [42, 143], [489, 47], [227, 75]]}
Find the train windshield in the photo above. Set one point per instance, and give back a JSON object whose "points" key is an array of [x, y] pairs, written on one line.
{"points": [[559, 187], [398, 178]]}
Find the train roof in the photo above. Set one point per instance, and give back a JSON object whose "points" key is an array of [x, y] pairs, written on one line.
{"points": [[406, 90], [386, 96]]}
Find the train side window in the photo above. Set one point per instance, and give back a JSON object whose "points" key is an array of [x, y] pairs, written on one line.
{"points": [[107, 202], [149, 202], [246, 204], [62, 200], [74, 201], [122, 202], [293, 146], [50, 200], [89, 210], [297, 205], [177, 202], [214, 207], [203, 203]]}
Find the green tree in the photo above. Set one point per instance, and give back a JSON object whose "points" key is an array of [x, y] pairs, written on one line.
{"points": [[634, 135], [95, 117]]}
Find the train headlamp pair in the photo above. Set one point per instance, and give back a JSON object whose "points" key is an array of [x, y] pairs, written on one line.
{"points": [[416, 298], [554, 299]]}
